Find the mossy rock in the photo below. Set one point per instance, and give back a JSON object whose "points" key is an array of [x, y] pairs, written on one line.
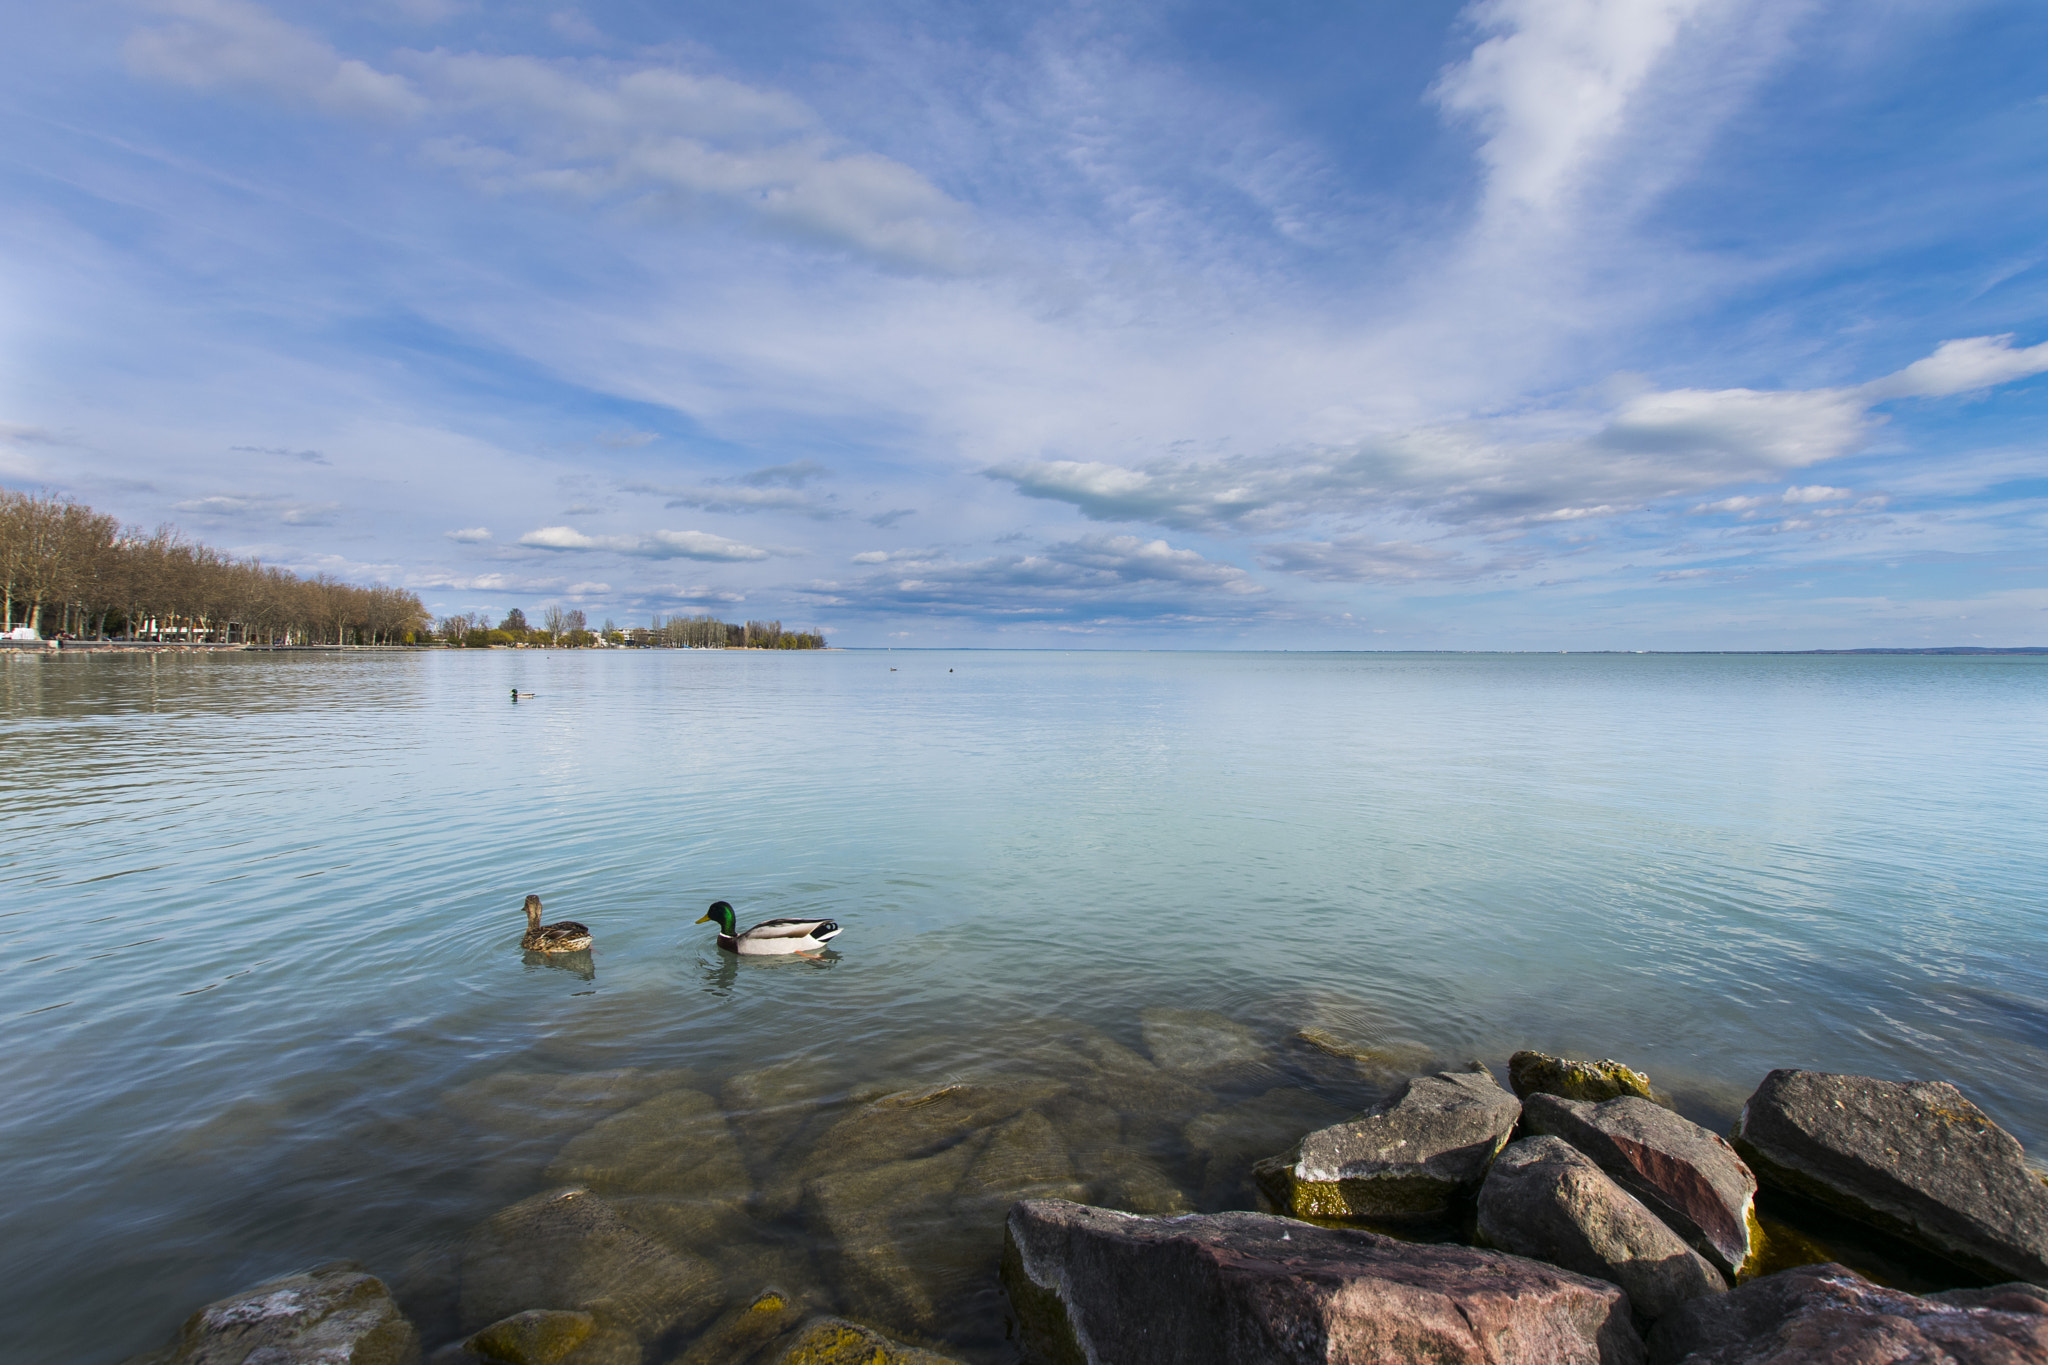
{"points": [[835, 1341], [1394, 1197], [745, 1329], [1539, 1073], [538, 1336]]}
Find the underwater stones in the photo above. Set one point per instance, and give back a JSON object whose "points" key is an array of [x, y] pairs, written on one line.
{"points": [[569, 1249], [1095, 1285], [1226, 1143], [334, 1314], [1829, 1313], [1200, 1042], [539, 1103], [1545, 1198], [538, 1336], [835, 1341], [1023, 1158], [890, 1227], [771, 1105], [1126, 1179], [1912, 1158], [676, 1144], [1411, 1155], [1376, 1062], [744, 1329], [1539, 1073], [913, 1122], [1689, 1177]]}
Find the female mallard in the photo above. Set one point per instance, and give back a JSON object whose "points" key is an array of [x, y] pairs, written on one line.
{"points": [[566, 937], [772, 936]]}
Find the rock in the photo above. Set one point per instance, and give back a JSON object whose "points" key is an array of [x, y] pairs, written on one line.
{"points": [[1200, 1043], [1022, 1159], [569, 1249], [1828, 1313], [539, 1336], [1091, 1284], [1689, 1177], [1911, 1158], [892, 1234], [556, 1102], [1545, 1198], [835, 1341], [1539, 1073], [743, 1330], [1380, 1062], [335, 1314], [1228, 1143], [771, 1105], [675, 1145], [1412, 1155]]}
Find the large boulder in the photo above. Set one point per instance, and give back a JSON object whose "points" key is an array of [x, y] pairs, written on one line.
{"points": [[1912, 1158], [335, 1314], [569, 1249], [1201, 1043], [1088, 1284], [1545, 1198], [1539, 1073], [1689, 1177], [1414, 1154], [1829, 1313]]}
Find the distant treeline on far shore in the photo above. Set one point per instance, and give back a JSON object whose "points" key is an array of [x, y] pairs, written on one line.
{"points": [[571, 630], [68, 570]]}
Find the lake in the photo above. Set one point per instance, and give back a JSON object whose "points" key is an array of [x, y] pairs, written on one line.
{"points": [[267, 1007]]}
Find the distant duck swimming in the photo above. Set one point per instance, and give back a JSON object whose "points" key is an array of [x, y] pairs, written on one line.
{"points": [[517, 694], [769, 937], [566, 937]]}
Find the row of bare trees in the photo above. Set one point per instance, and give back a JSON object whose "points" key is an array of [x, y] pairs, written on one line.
{"points": [[708, 632], [67, 569]]}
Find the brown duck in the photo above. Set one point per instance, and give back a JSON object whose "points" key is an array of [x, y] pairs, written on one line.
{"points": [[565, 937]]}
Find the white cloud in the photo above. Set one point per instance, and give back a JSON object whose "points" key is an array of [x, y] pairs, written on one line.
{"points": [[1816, 493], [1551, 84], [1361, 559], [592, 130], [1960, 367], [236, 45], [472, 535], [267, 507], [650, 545]]}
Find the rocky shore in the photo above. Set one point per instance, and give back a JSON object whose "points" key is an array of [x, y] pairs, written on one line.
{"points": [[1113, 1205]]}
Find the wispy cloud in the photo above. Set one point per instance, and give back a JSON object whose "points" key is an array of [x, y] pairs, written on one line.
{"points": [[472, 535], [647, 545], [307, 456], [263, 507]]}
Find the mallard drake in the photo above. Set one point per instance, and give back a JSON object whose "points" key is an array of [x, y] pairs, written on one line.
{"points": [[770, 936], [517, 695], [566, 937]]}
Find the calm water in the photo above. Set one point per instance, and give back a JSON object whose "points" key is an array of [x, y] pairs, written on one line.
{"points": [[262, 911]]}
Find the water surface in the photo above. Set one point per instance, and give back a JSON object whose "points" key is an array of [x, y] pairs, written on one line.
{"points": [[263, 910]]}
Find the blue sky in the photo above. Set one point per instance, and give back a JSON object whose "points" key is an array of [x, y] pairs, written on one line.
{"points": [[1514, 324]]}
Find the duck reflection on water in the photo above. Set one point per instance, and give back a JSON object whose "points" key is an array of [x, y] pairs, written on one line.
{"points": [[721, 972], [579, 964]]}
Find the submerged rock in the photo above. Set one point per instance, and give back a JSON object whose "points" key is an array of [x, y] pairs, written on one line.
{"points": [[744, 1329], [1200, 1043], [539, 1336], [771, 1105], [676, 1145], [1912, 1158], [1539, 1073], [569, 1249], [1375, 1061], [835, 1341], [335, 1314], [1829, 1313], [1412, 1155], [1228, 1143], [1096, 1285], [1689, 1177], [892, 1235], [536, 1102], [1545, 1198]]}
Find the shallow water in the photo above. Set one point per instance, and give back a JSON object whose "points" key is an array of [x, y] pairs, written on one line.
{"points": [[263, 919]]}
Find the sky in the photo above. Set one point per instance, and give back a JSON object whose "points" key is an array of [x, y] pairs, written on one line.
{"points": [[1397, 324]]}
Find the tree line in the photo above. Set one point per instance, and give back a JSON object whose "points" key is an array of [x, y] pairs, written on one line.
{"points": [[571, 629], [69, 570]]}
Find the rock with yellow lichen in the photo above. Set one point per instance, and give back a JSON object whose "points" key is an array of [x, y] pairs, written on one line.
{"points": [[835, 1341], [1539, 1073], [538, 1336], [744, 1329]]}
